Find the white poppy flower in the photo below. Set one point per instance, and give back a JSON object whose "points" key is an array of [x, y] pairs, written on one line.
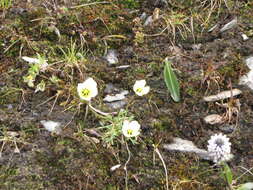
{"points": [[87, 89], [131, 129], [140, 87], [219, 148]]}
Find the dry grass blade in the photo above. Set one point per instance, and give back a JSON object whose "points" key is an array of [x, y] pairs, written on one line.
{"points": [[177, 22], [211, 7]]}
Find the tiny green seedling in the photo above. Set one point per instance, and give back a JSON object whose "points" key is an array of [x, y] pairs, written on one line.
{"points": [[35, 66], [5, 4], [112, 126], [171, 81]]}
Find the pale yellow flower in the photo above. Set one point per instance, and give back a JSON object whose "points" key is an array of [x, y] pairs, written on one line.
{"points": [[131, 129], [140, 87], [88, 89]]}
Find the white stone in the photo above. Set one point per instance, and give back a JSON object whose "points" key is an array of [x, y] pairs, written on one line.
{"points": [[249, 62], [229, 25], [247, 79], [245, 37], [116, 97], [111, 57], [115, 167]]}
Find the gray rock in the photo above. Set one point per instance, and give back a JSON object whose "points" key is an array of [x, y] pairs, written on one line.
{"points": [[143, 16], [227, 128], [111, 57], [148, 21], [116, 97], [110, 88], [229, 25], [117, 105], [18, 11], [249, 62]]}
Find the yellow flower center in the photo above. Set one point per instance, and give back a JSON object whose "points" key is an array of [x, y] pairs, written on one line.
{"points": [[30, 77], [85, 92], [129, 131], [139, 90]]}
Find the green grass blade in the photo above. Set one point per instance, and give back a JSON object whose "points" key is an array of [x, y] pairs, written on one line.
{"points": [[228, 174], [171, 81]]}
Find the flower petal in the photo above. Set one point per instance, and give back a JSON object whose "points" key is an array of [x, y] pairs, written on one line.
{"points": [[91, 86], [140, 89], [146, 90], [130, 129]]}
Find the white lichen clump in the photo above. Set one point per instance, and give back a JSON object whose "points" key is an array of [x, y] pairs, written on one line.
{"points": [[140, 88], [219, 148], [88, 89], [131, 129], [52, 126]]}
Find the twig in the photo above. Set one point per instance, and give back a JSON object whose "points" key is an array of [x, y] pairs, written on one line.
{"points": [[165, 169], [86, 112], [88, 4], [247, 171], [71, 119], [157, 34], [56, 98], [100, 112], [125, 167], [46, 101]]}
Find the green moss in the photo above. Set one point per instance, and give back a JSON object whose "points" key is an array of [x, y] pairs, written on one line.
{"points": [[131, 4]]}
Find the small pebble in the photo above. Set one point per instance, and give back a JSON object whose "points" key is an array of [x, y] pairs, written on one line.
{"points": [[110, 88], [143, 16], [148, 21], [117, 105], [111, 57], [229, 25], [227, 128], [245, 37], [115, 167], [116, 97], [9, 106]]}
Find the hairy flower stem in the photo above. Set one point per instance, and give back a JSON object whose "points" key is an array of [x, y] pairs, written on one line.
{"points": [[164, 166], [125, 167]]}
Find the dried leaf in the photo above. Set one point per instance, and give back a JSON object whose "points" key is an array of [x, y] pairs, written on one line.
{"points": [[222, 95]]}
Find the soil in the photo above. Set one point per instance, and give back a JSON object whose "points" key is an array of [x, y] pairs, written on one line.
{"points": [[205, 63]]}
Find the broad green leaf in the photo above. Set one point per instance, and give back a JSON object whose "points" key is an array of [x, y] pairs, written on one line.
{"points": [[171, 81], [228, 174], [246, 186]]}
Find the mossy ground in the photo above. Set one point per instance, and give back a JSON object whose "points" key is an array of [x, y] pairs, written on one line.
{"points": [[78, 160]]}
